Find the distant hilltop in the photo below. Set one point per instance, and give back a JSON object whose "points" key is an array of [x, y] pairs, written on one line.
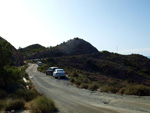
{"points": [[74, 46]]}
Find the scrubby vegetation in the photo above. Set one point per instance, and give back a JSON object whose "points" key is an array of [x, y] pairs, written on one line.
{"points": [[14, 94], [30, 50], [90, 69], [26, 94], [140, 90], [15, 105], [106, 72], [43, 68], [42, 105]]}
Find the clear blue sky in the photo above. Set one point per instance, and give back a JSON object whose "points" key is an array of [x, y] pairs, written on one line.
{"points": [[112, 25]]}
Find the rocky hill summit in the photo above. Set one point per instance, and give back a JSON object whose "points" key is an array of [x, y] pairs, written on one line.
{"points": [[76, 46], [17, 58]]}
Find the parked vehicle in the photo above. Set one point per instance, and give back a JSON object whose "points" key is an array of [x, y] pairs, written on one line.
{"points": [[50, 70], [40, 63], [59, 73]]}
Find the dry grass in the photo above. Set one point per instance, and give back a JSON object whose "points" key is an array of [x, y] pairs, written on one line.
{"points": [[42, 105], [140, 90], [15, 105]]}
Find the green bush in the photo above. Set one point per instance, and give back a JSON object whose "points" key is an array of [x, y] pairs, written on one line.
{"points": [[42, 68], [77, 82], [84, 85], [111, 89], [27, 95], [42, 105], [74, 74], [2, 104], [122, 90], [93, 86], [15, 105], [11, 78], [3, 93], [140, 90]]}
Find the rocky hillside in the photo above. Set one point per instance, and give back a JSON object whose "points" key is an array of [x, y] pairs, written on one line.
{"points": [[17, 58], [74, 46]]}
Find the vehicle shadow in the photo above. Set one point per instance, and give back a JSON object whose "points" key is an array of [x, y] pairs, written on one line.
{"points": [[65, 78]]}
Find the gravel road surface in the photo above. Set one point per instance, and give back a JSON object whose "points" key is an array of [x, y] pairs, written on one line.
{"points": [[70, 99]]}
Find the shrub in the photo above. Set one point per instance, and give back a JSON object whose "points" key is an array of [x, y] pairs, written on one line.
{"points": [[93, 86], [3, 93], [27, 95], [15, 105], [77, 82], [42, 68], [122, 90], [74, 74], [42, 105], [2, 104], [84, 85], [140, 90], [111, 89], [11, 78]]}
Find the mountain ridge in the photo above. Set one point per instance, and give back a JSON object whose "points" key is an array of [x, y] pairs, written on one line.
{"points": [[74, 46]]}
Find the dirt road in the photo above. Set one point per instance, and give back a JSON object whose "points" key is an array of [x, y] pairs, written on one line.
{"points": [[70, 99]]}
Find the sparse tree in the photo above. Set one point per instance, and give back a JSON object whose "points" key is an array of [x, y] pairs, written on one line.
{"points": [[5, 59]]}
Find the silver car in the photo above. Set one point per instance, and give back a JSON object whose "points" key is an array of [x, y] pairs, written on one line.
{"points": [[59, 73]]}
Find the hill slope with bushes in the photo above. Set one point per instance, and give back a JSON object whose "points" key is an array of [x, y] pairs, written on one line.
{"points": [[16, 57], [74, 46], [88, 68], [31, 50], [107, 72], [14, 94]]}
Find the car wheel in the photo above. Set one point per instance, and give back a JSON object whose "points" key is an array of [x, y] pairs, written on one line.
{"points": [[46, 73], [56, 77]]}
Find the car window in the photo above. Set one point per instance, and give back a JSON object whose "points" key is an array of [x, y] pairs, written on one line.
{"points": [[60, 71], [55, 69]]}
